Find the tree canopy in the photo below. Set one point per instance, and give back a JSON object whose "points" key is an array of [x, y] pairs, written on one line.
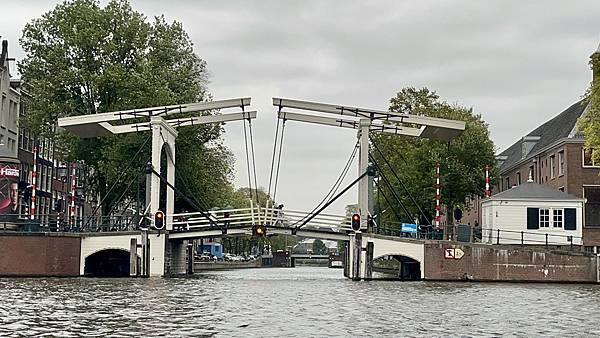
{"points": [[589, 123], [82, 58], [462, 161]]}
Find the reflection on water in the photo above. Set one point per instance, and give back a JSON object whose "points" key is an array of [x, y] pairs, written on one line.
{"points": [[292, 302]]}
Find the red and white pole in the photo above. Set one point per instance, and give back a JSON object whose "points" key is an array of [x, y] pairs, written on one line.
{"points": [[72, 211], [33, 180], [438, 193], [488, 193]]}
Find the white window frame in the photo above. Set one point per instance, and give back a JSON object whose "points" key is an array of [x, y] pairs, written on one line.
{"points": [[561, 163], [544, 221], [558, 218], [552, 166], [594, 165]]}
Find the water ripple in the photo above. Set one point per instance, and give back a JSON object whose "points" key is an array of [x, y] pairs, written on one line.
{"points": [[301, 302]]}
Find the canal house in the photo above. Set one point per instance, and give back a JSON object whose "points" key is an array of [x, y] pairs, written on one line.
{"points": [[532, 214]]}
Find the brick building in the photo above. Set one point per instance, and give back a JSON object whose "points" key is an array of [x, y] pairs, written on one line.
{"points": [[53, 177], [554, 154]]}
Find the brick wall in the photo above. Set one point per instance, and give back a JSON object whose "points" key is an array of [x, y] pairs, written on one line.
{"points": [[499, 263], [39, 255]]}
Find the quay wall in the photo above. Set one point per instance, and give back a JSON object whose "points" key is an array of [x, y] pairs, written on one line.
{"points": [[39, 255], [482, 262]]}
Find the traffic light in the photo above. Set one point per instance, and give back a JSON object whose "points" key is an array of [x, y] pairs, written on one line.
{"points": [[159, 220], [260, 230], [356, 222]]}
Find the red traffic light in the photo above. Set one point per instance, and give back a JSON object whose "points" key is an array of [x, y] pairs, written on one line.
{"points": [[355, 222], [260, 230], [159, 220]]}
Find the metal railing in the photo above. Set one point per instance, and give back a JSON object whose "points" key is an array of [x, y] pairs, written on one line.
{"points": [[59, 223], [256, 215], [497, 236]]}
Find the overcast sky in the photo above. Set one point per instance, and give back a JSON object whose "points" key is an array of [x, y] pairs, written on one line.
{"points": [[517, 63]]}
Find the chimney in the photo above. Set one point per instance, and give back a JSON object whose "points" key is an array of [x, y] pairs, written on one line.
{"points": [[4, 52]]}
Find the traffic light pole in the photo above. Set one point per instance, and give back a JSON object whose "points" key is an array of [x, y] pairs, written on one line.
{"points": [[358, 258]]}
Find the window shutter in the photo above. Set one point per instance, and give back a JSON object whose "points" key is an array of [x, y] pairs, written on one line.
{"points": [[570, 219], [533, 218]]}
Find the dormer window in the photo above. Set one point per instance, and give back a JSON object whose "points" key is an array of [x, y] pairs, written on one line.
{"points": [[527, 143]]}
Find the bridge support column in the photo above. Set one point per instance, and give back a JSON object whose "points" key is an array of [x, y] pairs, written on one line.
{"points": [[356, 259], [369, 261], [163, 135], [133, 266]]}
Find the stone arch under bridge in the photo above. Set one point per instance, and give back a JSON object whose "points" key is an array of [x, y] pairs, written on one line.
{"points": [[405, 250], [94, 244]]}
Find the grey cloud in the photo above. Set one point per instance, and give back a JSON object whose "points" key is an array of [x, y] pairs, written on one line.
{"points": [[517, 63]]}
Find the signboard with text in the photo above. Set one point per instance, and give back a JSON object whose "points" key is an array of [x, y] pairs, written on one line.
{"points": [[9, 188], [452, 253]]}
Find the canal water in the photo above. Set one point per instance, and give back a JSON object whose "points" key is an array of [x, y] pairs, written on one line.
{"points": [[300, 302]]}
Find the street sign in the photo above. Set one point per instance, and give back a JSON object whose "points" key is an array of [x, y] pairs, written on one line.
{"points": [[409, 228], [451, 253]]}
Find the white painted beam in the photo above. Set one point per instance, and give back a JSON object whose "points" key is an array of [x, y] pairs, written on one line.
{"points": [[90, 125], [437, 128]]}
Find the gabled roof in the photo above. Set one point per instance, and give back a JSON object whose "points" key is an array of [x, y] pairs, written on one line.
{"points": [[550, 132], [531, 190]]}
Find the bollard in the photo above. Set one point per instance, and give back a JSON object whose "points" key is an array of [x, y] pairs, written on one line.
{"points": [[498, 237], [521, 237], [546, 241]]}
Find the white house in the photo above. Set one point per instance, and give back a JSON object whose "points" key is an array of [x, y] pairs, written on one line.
{"points": [[532, 213]]}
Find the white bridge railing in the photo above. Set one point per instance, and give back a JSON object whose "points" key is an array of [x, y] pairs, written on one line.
{"points": [[248, 217]]}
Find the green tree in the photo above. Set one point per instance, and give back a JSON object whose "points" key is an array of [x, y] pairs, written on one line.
{"points": [[414, 159], [589, 123], [319, 247], [82, 58]]}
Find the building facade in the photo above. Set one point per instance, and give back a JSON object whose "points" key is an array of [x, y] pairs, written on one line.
{"points": [[554, 155], [532, 214], [54, 188]]}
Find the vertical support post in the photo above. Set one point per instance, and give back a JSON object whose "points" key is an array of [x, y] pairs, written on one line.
{"points": [[369, 261], [147, 255], [363, 164], [190, 260], [498, 237], [162, 133], [33, 182], [438, 193], [144, 269], [149, 174], [546, 241], [73, 185], [133, 257], [356, 259], [346, 259], [363, 198], [170, 192], [522, 235], [153, 194], [488, 192]]}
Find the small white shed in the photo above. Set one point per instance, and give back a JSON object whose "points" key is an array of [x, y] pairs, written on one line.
{"points": [[532, 213]]}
